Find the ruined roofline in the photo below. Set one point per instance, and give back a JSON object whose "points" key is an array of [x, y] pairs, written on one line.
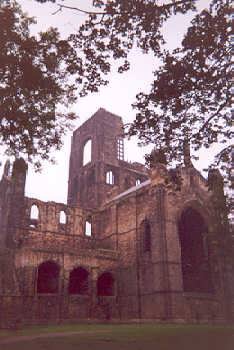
{"points": [[96, 115], [147, 182], [136, 167], [45, 202], [129, 191], [198, 173], [61, 204]]}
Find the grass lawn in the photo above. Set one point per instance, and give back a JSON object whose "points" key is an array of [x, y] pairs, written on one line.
{"points": [[120, 337]]}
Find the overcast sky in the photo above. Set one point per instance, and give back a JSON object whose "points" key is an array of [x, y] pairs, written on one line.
{"points": [[117, 97]]}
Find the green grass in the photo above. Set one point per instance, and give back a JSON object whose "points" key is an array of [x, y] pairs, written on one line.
{"points": [[124, 337]]}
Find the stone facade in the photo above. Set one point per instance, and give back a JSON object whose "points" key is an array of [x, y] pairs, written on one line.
{"points": [[132, 243]]}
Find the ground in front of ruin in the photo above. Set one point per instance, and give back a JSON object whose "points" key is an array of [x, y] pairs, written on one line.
{"points": [[120, 337]]}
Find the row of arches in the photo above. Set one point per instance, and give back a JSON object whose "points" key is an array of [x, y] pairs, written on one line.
{"points": [[79, 281], [195, 256], [195, 260], [34, 214], [34, 218]]}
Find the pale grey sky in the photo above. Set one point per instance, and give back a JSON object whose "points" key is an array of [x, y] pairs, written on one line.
{"points": [[117, 97]]}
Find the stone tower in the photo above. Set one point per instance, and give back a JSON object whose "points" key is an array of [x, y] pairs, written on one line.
{"points": [[97, 167], [97, 147]]}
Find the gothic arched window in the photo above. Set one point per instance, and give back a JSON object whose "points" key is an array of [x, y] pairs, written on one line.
{"points": [[138, 182], [146, 236], [62, 218], [88, 227], [110, 179], [34, 213], [87, 152], [194, 252], [34, 216]]}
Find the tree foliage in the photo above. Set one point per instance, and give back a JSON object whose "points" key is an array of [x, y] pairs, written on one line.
{"points": [[37, 75], [113, 28], [190, 96]]}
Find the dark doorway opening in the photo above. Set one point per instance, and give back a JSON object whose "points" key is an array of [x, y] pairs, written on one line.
{"points": [[193, 234], [105, 284], [48, 277], [79, 281]]}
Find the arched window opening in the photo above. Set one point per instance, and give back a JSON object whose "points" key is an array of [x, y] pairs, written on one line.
{"points": [[88, 227], [48, 278], [138, 182], [34, 213], [194, 252], [87, 152], [62, 218], [146, 236], [34, 216], [8, 168], [105, 284], [110, 178], [79, 281], [120, 148]]}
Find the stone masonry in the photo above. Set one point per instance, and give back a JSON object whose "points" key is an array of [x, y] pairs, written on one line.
{"points": [[132, 244]]}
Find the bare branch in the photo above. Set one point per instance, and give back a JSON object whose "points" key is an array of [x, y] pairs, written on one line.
{"points": [[165, 6], [80, 10], [57, 11]]}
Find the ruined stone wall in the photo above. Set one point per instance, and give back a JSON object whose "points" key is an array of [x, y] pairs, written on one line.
{"points": [[133, 257], [4, 208], [147, 284], [87, 182], [150, 284], [45, 239], [42, 308]]}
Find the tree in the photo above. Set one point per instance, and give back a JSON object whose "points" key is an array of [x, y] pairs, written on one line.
{"points": [[115, 27], [39, 79], [190, 94]]}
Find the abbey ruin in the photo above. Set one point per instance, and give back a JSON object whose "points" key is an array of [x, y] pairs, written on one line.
{"points": [[129, 245]]}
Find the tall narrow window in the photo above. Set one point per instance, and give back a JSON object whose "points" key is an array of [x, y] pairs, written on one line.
{"points": [[62, 218], [138, 182], [88, 228], [110, 178], [34, 213], [120, 148], [146, 236], [87, 152], [34, 216]]}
